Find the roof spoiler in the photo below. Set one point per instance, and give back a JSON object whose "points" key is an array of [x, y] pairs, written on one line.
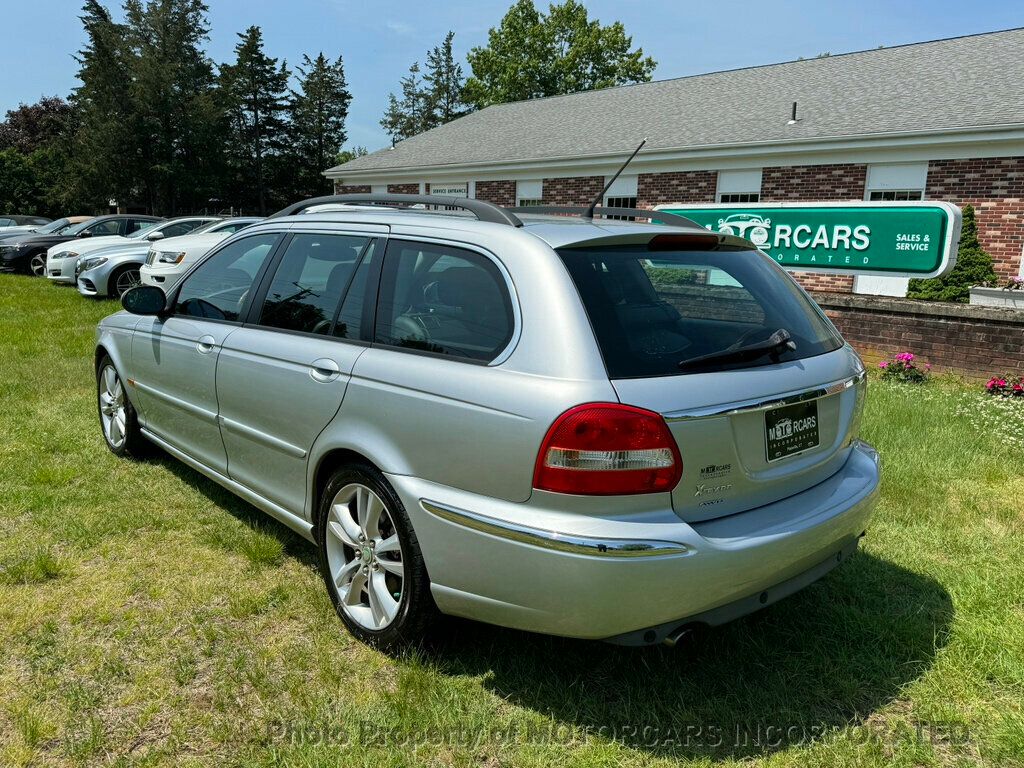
{"points": [[483, 211]]}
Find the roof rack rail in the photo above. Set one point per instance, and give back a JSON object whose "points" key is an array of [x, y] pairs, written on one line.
{"points": [[483, 210], [671, 219]]}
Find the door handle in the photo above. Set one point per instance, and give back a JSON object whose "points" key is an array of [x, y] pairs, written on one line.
{"points": [[324, 370], [205, 344]]}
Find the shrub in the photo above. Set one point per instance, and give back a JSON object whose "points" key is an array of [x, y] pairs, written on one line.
{"points": [[903, 368], [973, 267], [1006, 386]]}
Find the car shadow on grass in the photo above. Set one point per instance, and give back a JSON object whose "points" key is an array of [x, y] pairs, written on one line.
{"points": [[283, 541], [823, 659]]}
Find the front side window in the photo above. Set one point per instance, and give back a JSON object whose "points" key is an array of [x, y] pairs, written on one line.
{"points": [[668, 312], [314, 274], [103, 228], [219, 287], [179, 228], [444, 300]]}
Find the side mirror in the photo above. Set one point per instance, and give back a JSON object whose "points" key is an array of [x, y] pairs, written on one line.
{"points": [[144, 300], [155, 236], [85, 233]]}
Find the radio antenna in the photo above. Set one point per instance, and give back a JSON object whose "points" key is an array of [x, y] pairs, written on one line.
{"points": [[589, 213]]}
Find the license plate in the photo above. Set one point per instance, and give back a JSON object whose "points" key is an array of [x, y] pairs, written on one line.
{"points": [[790, 429]]}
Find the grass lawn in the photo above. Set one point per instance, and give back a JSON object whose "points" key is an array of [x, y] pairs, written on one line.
{"points": [[148, 617]]}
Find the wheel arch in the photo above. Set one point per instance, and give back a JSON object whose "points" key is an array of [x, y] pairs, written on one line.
{"points": [[325, 466]]}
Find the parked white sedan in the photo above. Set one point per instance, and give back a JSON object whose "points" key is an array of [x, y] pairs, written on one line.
{"points": [[170, 259], [62, 258]]}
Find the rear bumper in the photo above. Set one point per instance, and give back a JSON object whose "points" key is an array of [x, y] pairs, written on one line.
{"points": [[620, 575]]}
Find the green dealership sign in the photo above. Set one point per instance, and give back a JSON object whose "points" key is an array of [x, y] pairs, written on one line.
{"points": [[905, 239]]}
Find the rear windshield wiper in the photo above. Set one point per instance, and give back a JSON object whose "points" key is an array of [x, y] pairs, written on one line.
{"points": [[773, 346]]}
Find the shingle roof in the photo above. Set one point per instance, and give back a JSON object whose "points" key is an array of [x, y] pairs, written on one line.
{"points": [[962, 82]]}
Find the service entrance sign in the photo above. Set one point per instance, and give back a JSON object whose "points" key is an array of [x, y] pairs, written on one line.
{"points": [[904, 239]]}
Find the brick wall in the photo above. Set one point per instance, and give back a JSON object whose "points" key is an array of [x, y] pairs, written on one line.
{"points": [[403, 189], [679, 187], [976, 342], [351, 189], [497, 192], [838, 181], [995, 187], [574, 190]]}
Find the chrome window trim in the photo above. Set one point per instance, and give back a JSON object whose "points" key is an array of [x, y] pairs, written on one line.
{"points": [[753, 405], [553, 540]]}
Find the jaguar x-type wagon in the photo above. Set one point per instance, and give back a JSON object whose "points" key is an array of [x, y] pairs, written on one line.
{"points": [[580, 426]]}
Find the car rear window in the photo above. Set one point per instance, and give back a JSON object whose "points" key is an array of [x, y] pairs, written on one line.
{"points": [[652, 310]]}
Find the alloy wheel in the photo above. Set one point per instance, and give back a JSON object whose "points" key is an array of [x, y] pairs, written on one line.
{"points": [[113, 414], [365, 557], [38, 264], [127, 280]]}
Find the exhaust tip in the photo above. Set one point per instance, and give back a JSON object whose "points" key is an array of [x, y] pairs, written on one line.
{"points": [[677, 635]]}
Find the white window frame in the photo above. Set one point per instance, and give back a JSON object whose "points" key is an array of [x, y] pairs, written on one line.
{"points": [[530, 192]]}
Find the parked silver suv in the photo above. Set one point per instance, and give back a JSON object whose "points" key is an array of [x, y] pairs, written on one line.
{"points": [[577, 426]]}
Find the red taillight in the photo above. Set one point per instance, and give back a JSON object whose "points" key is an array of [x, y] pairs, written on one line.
{"points": [[604, 449]]}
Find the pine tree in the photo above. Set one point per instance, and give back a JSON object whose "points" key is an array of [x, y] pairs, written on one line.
{"points": [[104, 160], [318, 112], [172, 90], [973, 267], [255, 90], [411, 114], [444, 83]]}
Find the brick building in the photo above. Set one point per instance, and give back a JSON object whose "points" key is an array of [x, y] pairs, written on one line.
{"points": [[938, 120]]}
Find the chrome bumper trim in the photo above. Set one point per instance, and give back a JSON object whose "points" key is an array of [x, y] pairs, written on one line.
{"points": [[559, 542], [743, 406]]}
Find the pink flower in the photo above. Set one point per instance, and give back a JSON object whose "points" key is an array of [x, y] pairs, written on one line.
{"points": [[1018, 388], [883, 365], [927, 366]]}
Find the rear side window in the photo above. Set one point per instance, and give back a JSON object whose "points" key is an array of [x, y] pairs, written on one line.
{"points": [[444, 300], [653, 310], [314, 274]]}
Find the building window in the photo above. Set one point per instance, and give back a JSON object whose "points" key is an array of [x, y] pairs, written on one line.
{"points": [[621, 202], [739, 186], [529, 202], [895, 194], [739, 197]]}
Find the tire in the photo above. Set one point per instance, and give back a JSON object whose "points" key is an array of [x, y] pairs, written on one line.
{"points": [[119, 423], [383, 621], [130, 274], [36, 264]]}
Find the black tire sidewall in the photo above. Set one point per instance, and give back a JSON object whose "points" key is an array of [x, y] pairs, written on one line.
{"points": [[416, 608]]}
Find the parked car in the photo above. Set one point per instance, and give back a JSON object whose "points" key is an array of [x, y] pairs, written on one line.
{"points": [[511, 420], [170, 259], [54, 227], [27, 252], [61, 259], [18, 223]]}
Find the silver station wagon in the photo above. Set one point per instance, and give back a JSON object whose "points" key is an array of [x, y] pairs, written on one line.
{"points": [[572, 424]]}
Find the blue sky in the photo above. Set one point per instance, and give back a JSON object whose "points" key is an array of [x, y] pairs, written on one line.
{"points": [[379, 40]]}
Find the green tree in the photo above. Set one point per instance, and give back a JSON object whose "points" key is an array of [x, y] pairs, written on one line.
{"points": [[34, 143], [411, 114], [350, 154], [530, 55], [255, 90], [178, 122], [17, 183], [104, 159], [973, 267], [318, 112], [444, 83]]}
